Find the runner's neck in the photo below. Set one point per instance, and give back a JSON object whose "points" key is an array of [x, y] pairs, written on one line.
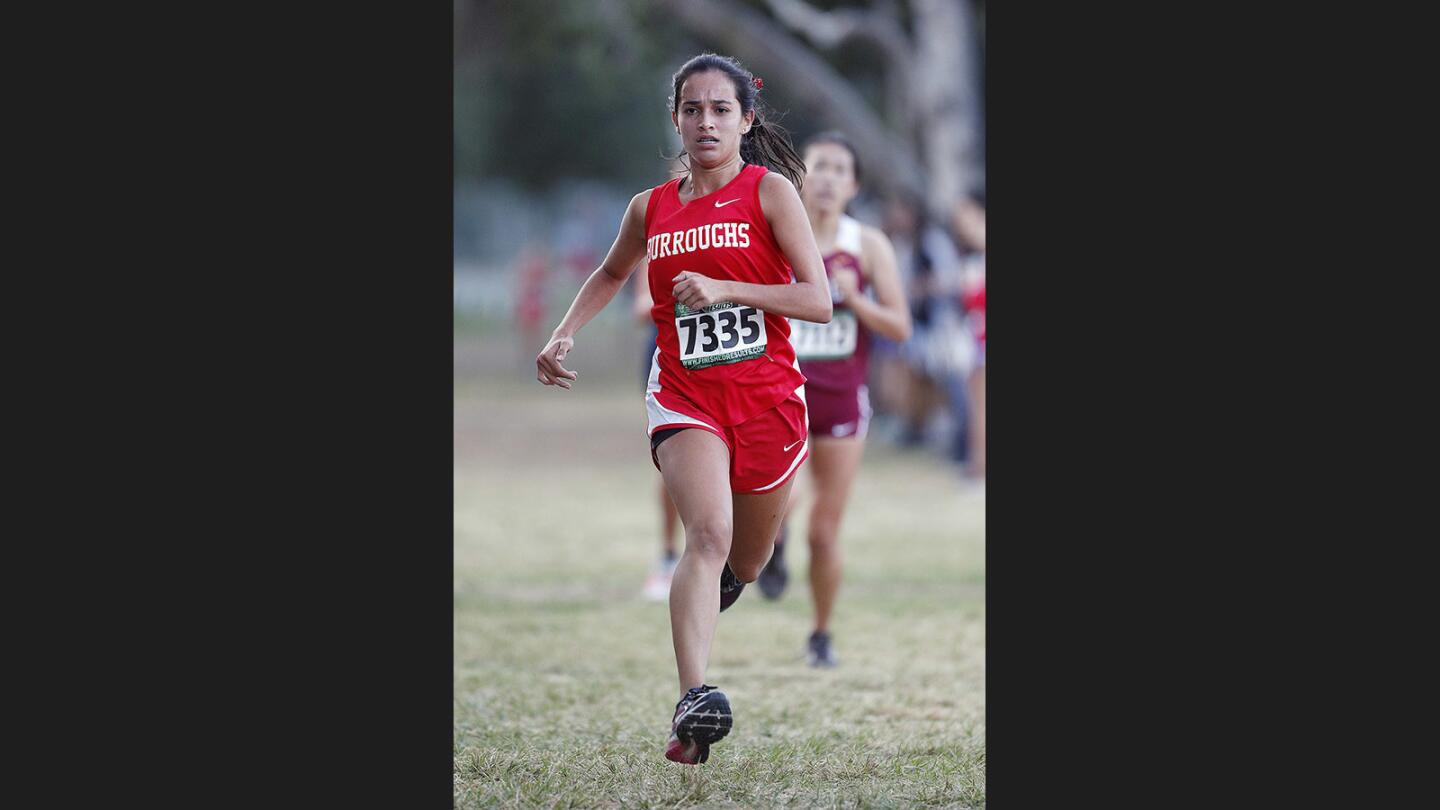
{"points": [[825, 226], [702, 181]]}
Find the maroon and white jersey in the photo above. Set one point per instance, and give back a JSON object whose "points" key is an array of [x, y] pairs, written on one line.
{"points": [[835, 356], [730, 360]]}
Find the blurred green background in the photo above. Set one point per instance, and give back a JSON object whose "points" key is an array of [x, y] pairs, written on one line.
{"points": [[560, 108]]}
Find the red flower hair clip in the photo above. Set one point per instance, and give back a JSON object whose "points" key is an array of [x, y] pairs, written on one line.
{"points": [[758, 82]]}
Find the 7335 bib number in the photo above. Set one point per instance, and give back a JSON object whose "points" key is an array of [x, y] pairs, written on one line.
{"points": [[719, 334]]}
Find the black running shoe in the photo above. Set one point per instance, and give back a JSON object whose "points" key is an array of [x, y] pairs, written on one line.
{"points": [[821, 654], [775, 576], [701, 717], [730, 588]]}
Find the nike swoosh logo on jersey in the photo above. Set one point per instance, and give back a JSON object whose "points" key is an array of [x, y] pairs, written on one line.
{"points": [[727, 202], [792, 444]]}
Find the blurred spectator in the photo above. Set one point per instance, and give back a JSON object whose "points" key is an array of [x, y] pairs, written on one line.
{"points": [[969, 222], [938, 358], [579, 245], [531, 280]]}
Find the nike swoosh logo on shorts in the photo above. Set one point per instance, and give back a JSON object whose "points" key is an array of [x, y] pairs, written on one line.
{"points": [[792, 444], [727, 202]]}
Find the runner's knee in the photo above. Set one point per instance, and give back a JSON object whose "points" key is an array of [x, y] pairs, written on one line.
{"points": [[824, 533], [709, 538], [746, 570]]}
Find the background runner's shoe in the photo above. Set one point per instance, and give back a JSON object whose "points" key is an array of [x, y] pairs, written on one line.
{"points": [[821, 653], [657, 585], [775, 576], [730, 588], [702, 717]]}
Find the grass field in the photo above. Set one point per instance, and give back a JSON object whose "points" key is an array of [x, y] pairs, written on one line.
{"points": [[564, 678]]}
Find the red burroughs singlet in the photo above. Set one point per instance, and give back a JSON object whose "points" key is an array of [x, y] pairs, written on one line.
{"points": [[733, 361], [834, 356]]}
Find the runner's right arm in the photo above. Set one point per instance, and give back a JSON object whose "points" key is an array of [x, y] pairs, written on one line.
{"points": [[608, 278], [644, 302]]}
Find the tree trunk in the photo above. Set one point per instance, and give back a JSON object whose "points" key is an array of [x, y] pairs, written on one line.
{"points": [[822, 92], [947, 100]]}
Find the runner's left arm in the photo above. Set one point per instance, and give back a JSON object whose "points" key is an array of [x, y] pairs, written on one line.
{"points": [[807, 299], [889, 314]]}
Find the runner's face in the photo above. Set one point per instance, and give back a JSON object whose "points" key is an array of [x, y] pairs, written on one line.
{"points": [[709, 119], [829, 178]]}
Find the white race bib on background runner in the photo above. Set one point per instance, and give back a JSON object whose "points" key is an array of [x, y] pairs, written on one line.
{"points": [[825, 341], [719, 334]]}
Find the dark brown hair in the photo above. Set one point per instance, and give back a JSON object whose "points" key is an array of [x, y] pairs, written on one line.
{"points": [[766, 144], [838, 138]]}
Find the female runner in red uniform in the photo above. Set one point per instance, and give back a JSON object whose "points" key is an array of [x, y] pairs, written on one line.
{"points": [[731, 257], [834, 358]]}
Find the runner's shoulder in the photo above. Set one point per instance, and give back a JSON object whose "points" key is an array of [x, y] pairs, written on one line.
{"points": [[874, 246]]}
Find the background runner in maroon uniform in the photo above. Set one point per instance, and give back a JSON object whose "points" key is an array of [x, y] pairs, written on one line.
{"points": [[859, 259]]}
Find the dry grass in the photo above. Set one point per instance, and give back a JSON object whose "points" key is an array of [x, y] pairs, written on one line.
{"points": [[565, 679]]}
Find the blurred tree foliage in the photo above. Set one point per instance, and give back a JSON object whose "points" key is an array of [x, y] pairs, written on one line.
{"points": [[900, 77], [550, 91]]}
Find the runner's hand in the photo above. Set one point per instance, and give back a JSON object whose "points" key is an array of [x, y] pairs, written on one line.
{"points": [[847, 281], [696, 291], [547, 366]]}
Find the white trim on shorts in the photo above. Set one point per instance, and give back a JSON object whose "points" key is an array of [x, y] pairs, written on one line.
{"points": [[799, 457], [804, 448], [660, 416], [863, 395]]}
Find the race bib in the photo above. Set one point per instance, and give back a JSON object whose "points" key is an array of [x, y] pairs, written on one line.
{"points": [[825, 341], [719, 334]]}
